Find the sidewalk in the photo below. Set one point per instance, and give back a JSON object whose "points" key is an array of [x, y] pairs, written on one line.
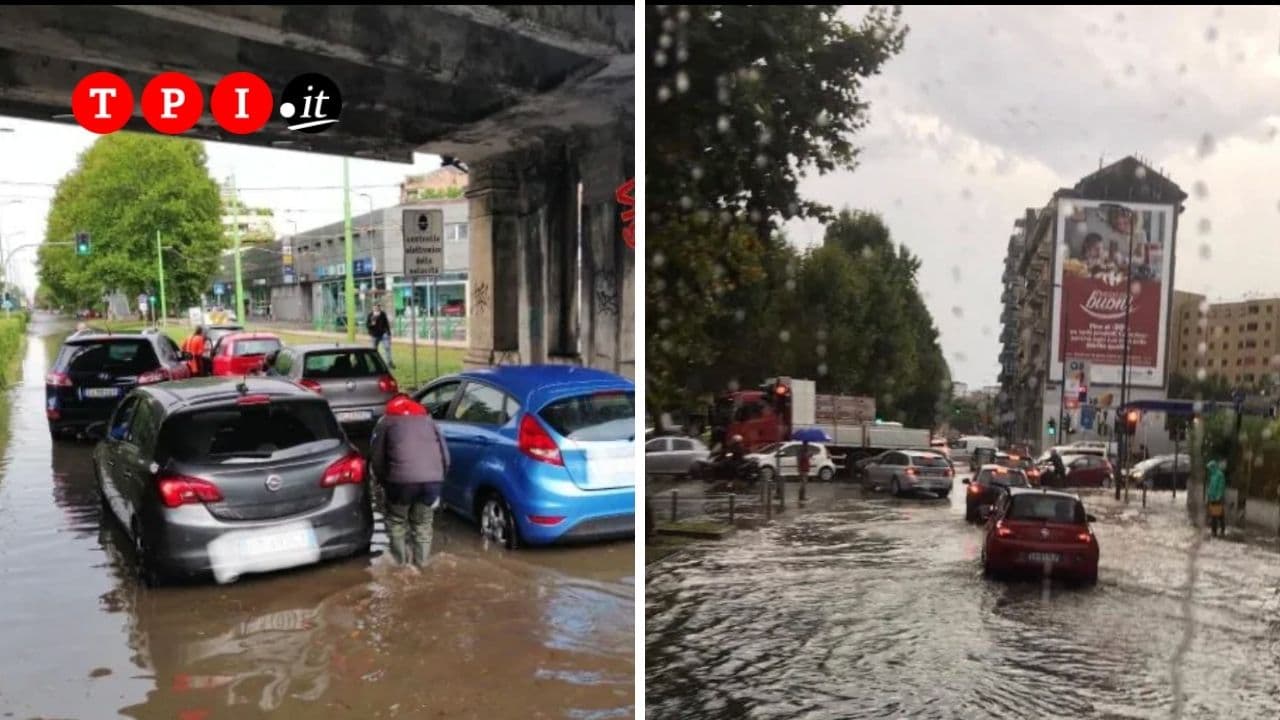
{"points": [[307, 330]]}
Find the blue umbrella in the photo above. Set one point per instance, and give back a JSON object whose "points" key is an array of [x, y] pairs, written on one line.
{"points": [[811, 435]]}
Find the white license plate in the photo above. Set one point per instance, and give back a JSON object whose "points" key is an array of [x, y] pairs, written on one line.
{"points": [[101, 392], [275, 543], [355, 416], [1044, 557]]}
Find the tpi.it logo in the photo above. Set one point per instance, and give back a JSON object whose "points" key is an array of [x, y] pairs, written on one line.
{"points": [[172, 103]]}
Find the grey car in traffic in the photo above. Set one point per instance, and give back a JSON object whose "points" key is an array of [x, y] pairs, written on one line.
{"points": [[353, 378], [230, 477], [909, 471], [676, 456]]}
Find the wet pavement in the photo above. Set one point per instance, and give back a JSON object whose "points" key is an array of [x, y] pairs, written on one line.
{"points": [[481, 632], [865, 606]]}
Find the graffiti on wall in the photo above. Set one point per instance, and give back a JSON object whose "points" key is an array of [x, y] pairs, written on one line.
{"points": [[606, 292], [626, 198], [480, 298]]}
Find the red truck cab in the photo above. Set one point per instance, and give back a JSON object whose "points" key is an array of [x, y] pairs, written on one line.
{"points": [[244, 353], [754, 415]]}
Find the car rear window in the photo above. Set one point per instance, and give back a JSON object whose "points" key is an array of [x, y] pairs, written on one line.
{"points": [[595, 417], [117, 357], [343, 364], [1011, 478], [265, 346], [1053, 508], [929, 461], [231, 432]]}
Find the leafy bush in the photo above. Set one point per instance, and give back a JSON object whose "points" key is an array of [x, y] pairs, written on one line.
{"points": [[13, 330]]}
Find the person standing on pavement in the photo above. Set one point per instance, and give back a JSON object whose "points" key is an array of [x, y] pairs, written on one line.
{"points": [[194, 347], [1217, 497], [380, 329], [803, 465], [1059, 469], [410, 458]]}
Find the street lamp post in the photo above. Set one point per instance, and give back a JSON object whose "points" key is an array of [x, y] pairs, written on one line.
{"points": [[1124, 362], [349, 286], [164, 308]]}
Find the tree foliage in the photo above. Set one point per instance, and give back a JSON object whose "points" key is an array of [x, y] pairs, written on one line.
{"points": [[745, 100], [124, 188]]}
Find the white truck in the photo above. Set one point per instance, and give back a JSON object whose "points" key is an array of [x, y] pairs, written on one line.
{"points": [[851, 424]]}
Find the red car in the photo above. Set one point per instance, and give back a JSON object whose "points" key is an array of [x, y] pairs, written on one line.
{"points": [[1040, 532], [1082, 471], [243, 353]]}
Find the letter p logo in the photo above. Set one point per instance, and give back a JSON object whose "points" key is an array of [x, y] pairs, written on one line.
{"points": [[172, 103]]}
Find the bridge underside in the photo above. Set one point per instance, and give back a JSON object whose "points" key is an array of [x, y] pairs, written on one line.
{"points": [[537, 100]]}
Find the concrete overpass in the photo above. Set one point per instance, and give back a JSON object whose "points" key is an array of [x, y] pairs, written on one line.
{"points": [[536, 100]]}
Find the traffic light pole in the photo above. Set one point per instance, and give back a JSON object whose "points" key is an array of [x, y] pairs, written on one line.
{"points": [[1124, 364], [164, 312], [235, 233]]}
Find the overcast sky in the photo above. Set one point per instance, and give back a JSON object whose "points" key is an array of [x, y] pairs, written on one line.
{"points": [[989, 111], [37, 154]]}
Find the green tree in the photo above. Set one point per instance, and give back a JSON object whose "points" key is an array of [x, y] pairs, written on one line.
{"points": [[124, 188], [746, 100]]}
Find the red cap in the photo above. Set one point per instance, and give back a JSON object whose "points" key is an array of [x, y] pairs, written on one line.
{"points": [[404, 405]]}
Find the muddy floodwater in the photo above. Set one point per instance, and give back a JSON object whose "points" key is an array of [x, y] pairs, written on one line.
{"points": [[481, 632], [873, 607]]}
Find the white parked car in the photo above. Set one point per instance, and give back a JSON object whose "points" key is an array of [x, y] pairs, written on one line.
{"points": [[821, 466]]}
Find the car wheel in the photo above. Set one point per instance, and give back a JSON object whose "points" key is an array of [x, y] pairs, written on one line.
{"points": [[894, 488], [944, 494], [825, 474], [970, 513], [1091, 579], [147, 572], [766, 474], [497, 523]]}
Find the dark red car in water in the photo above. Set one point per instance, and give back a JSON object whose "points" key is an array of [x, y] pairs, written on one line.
{"points": [[1040, 532], [243, 353]]}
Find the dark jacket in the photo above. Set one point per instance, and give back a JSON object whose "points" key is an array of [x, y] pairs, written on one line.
{"points": [[378, 324], [409, 450]]}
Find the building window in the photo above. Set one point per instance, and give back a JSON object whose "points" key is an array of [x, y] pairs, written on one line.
{"points": [[1251, 343], [1268, 326], [1185, 330], [1266, 343], [1239, 362], [1253, 309], [1252, 327], [1184, 347], [1184, 364]]}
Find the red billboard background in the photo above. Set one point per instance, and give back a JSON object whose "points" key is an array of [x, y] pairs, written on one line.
{"points": [[1093, 321]]}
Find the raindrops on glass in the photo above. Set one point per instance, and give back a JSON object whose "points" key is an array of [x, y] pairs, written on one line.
{"points": [[664, 41], [682, 54], [823, 119], [821, 350], [696, 172], [1210, 34], [791, 285], [762, 161], [822, 369], [739, 315], [868, 253], [683, 15], [765, 136], [1129, 70], [1201, 374], [725, 217], [784, 335], [664, 93], [1204, 226], [822, 334], [669, 25], [986, 331], [723, 95], [961, 357], [1206, 252], [754, 215], [722, 123], [956, 274], [1182, 68], [660, 59], [1201, 190], [966, 194], [1198, 405], [733, 385], [682, 82], [658, 259], [1204, 307], [1202, 348], [1207, 145], [664, 324], [703, 216], [957, 311], [686, 202]]}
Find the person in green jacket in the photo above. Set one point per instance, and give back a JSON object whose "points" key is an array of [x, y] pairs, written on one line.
{"points": [[1217, 497]]}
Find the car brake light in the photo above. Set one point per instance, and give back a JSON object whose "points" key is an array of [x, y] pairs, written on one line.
{"points": [[57, 379], [974, 488], [546, 519], [1084, 537], [1002, 531], [387, 384], [254, 400], [311, 385], [947, 472], [534, 441], [911, 471], [154, 376], [347, 471], [178, 490]]}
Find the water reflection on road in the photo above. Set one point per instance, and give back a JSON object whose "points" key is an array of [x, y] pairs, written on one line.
{"points": [[876, 608], [480, 633]]}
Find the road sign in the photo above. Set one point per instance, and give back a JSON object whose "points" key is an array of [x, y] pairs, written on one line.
{"points": [[1077, 379], [143, 303], [423, 242], [219, 289], [1086, 417]]}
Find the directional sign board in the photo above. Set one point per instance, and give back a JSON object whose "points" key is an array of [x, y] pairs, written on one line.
{"points": [[423, 242]]}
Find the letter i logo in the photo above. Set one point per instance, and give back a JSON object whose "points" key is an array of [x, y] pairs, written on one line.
{"points": [[241, 103]]}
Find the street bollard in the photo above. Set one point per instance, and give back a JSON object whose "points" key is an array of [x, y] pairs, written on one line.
{"points": [[675, 498], [804, 481], [731, 508], [782, 493], [1144, 494], [768, 504]]}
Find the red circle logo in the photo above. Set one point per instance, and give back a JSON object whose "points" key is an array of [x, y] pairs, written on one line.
{"points": [[172, 103], [241, 103], [102, 102]]}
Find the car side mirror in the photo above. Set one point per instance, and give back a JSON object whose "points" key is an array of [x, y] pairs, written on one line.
{"points": [[1090, 518], [118, 432], [965, 481]]}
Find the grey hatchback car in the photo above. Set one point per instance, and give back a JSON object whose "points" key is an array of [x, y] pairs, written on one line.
{"points": [[232, 477], [353, 378]]}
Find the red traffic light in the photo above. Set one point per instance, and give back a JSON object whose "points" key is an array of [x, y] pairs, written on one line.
{"points": [[1133, 416], [781, 389]]}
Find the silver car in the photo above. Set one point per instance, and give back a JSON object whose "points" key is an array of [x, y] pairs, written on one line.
{"points": [[353, 378], [673, 455], [908, 471]]}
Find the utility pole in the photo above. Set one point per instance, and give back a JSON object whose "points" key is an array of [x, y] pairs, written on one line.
{"points": [[164, 311], [350, 284], [235, 233]]}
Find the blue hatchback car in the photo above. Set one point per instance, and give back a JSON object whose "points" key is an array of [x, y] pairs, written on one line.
{"points": [[540, 454]]}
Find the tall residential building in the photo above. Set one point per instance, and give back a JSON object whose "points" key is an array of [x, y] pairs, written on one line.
{"points": [[1241, 339], [1031, 393]]}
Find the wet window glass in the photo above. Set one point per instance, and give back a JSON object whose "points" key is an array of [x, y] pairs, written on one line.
{"points": [[480, 405], [436, 400], [228, 433], [342, 365], [929, 461], [119, 357], [656, 446], [244, 348], [1052, 508], [605, 416]]}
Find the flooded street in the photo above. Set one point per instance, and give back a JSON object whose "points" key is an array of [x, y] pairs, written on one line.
{"points": [[480, 633], [871, 607]]}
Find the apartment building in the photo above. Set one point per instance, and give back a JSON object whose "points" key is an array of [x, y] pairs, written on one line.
{"points": [[1240, 338]]}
